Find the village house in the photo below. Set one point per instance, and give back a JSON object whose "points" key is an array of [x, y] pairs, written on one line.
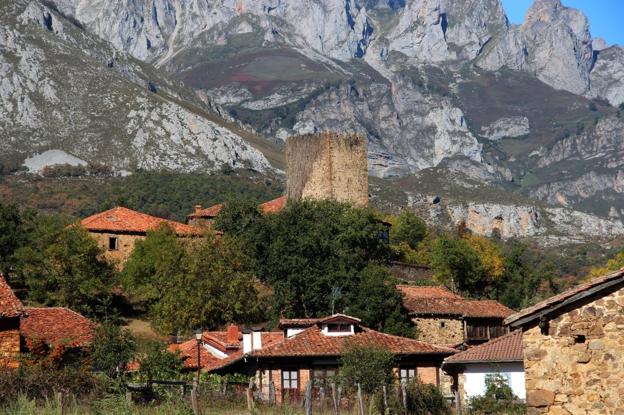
{"points": [[11, 310], [306, 350], [501, 356], [117, 230], [443, 317], [573, 347], [41, 330], [202, 217]]}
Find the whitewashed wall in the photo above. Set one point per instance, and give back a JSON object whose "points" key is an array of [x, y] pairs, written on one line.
{"points": [[474, 383]]}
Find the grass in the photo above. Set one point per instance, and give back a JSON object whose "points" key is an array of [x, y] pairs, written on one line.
{"points": [[118, 405]]}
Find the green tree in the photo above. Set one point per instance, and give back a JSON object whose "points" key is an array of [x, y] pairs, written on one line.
{"points": [[160, 364], [409, 229], [63, 266], [113, 349], [378, 303], [313, 249], [457, 264], [238, 216], [153, 261], [498, 398], [366, 365], [211, 288], [14, 233]]}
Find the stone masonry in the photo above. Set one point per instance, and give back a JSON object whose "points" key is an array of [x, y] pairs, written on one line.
{"points": [[574, 364], [125, 246], [442, 331], [328, 166], [9, 343]]}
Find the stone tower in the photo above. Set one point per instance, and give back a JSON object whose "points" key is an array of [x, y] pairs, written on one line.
{"points": [[328, 166]]}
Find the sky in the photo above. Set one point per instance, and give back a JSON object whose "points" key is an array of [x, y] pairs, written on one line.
{"points": [[605, 16]]}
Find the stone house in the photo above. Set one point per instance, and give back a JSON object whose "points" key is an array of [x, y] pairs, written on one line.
{"points": [[24, 329], [205, 216], [470, 368], [309, 350], [443, 317], [573, 348], [117, 230], [11, 310]]}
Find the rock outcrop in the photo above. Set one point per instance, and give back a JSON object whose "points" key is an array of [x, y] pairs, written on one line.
{"points": [[607, 77], [507, 127], [554, 43]]}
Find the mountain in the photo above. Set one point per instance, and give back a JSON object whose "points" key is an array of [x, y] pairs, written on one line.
{"points": [[439, 87], [66, 93]]}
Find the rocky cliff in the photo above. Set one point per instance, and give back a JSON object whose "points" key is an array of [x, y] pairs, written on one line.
{"points": [[530, 109]]}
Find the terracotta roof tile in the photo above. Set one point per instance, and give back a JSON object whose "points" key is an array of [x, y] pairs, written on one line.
{"points": [[312, 342], [297, 322], [440, 301], [10, 305], [121, 219], [559, 298], [209, 212], [507, 348], [57, 326], [273, 206]]}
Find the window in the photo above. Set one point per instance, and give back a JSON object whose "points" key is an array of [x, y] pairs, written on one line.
{"points": [[407, 374], [290, 379], [112, 243], [442, 324], [323, 376], [339, 328]]}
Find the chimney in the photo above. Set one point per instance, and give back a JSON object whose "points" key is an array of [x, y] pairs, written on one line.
{"points": [[252, 340], [198, 208], [232, 334]]}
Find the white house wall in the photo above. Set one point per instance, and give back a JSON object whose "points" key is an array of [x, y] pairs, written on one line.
{"points": [[474, 383]]}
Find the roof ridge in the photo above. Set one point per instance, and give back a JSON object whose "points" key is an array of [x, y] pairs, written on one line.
{"points": [[368, 329]]}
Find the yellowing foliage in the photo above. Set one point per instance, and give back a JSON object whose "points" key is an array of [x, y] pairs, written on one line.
{"points": [[613, 264], [490, 255]]}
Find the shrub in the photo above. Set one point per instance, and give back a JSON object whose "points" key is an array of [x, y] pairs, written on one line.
{"points": [[113, 348], [369, 366], [41, 382], [420, 399]]}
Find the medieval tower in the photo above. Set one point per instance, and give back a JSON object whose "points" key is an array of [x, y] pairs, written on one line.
{"points": [[328, 166]]}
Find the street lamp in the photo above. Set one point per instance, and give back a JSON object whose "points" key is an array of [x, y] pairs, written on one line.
{"points": [[198, 337]]}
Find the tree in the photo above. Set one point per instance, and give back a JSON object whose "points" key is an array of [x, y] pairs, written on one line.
{"points": [[498, 398], [238, 216], [409, 229], [113, 349], [211, 288], [153, 261], [378, 303], [63, 266], [366, 365], [457, 264], [160, 364], [614, 264], [313, 249], [14, 233]]}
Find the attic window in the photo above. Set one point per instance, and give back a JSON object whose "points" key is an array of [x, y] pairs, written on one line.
{"points": [[442, 324], [339, 328], [112, 243]]}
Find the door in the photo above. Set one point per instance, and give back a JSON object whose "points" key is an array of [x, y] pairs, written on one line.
{"points": [[290, 385]]}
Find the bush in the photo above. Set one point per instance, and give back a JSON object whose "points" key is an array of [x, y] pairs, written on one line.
{"points": [[40, 382], [369, 366], [420, 399], [113, 348], [498, 398]]}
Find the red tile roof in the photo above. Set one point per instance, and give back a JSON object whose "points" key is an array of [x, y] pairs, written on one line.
{"points": [[10, 305], [273, 206], [121, 219], [57, 326], [578, 292], [507, 348], [209, 212], [297, 322], [439, 301], [312, 342]]}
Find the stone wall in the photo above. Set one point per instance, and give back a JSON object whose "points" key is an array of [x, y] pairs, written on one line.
{"points": [[125, 246], [9, 343], [328, 166], [430, 330], [577, 367]]}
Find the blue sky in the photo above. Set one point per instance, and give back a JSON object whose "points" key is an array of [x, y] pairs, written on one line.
{"points": [[605, 16]]}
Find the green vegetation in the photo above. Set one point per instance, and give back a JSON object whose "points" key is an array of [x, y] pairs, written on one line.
{"points": [[188, 284], [498, 399], [113, 348], [367, 366]]}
